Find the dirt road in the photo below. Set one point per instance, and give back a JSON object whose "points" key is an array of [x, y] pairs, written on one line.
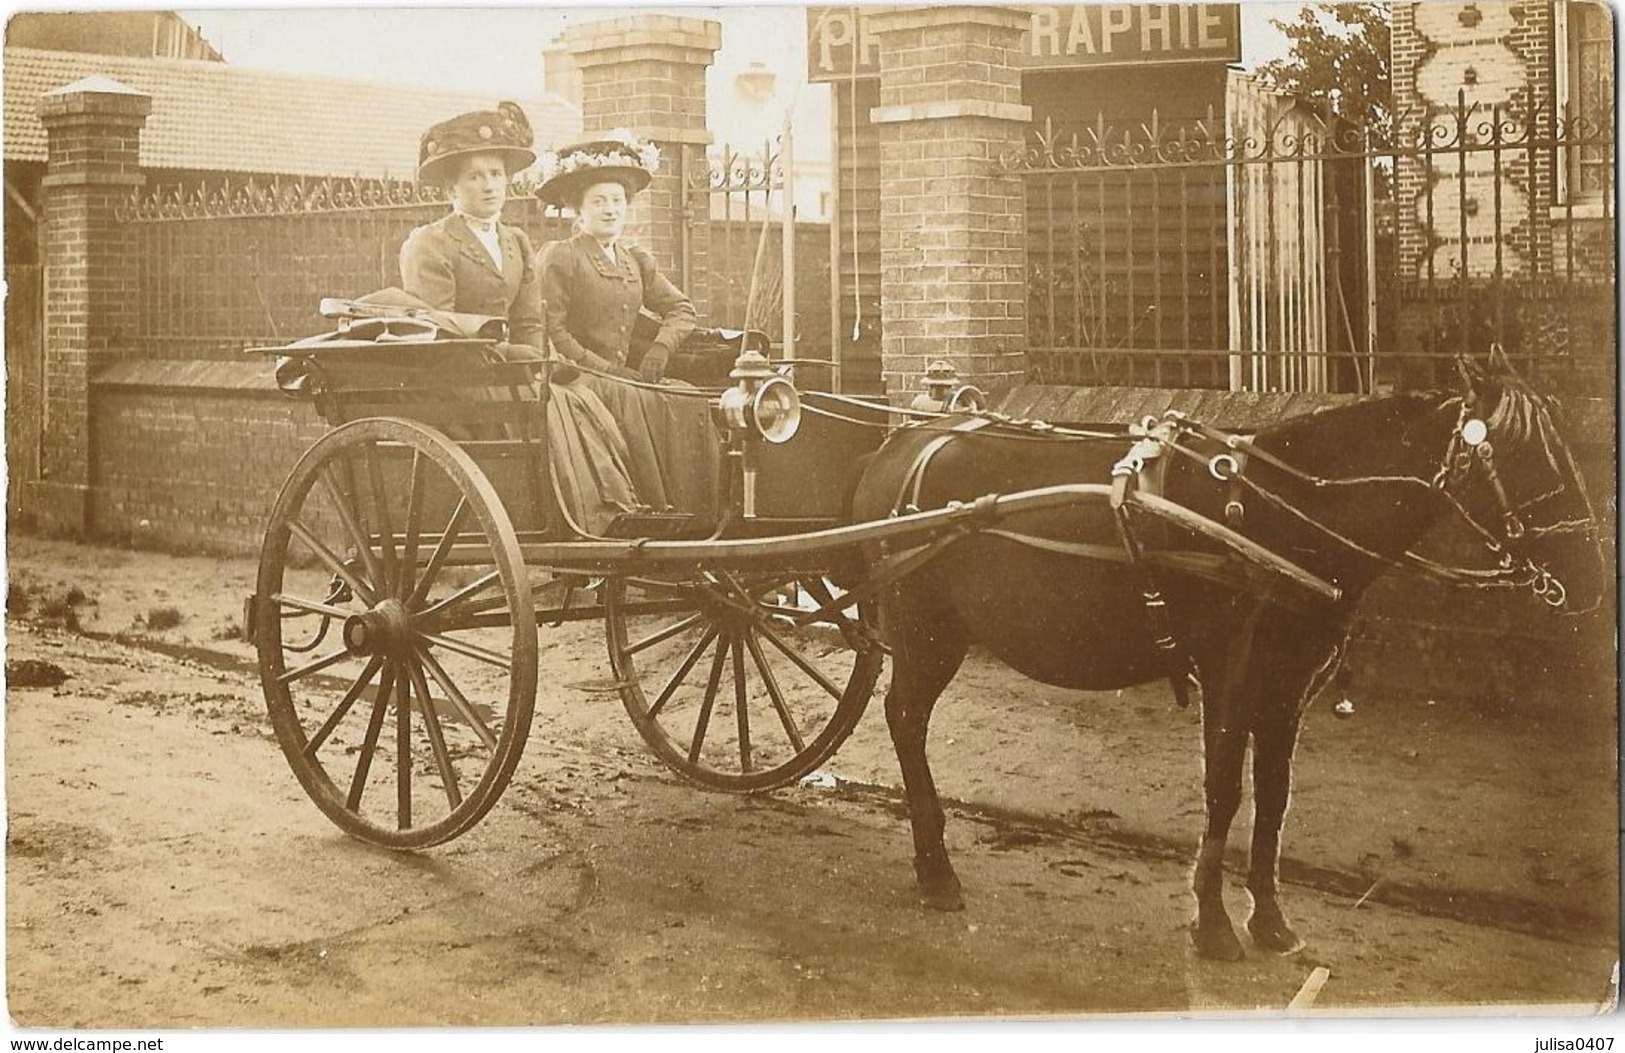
{"points": [[164, 869]]}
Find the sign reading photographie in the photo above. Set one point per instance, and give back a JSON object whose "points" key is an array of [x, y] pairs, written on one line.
{"points": [[840, 43]]}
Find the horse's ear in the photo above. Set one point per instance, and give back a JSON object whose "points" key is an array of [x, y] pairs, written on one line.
{"points": [[1500, 365], [1472, 374]]}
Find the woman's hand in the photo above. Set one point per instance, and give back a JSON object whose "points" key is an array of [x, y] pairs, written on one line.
{"points": [[654, 364]]}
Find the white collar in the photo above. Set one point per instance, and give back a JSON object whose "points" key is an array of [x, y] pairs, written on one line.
{"points": [[478, 225]]}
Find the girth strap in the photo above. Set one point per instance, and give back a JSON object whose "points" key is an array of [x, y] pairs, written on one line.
{"points": [[908, 494]]}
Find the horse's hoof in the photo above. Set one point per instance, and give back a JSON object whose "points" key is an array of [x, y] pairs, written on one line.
{"points": [[942, 895], [1274, 934], [1217, 943]]}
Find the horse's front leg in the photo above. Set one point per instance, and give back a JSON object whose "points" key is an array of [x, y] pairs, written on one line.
{"points": [[1273, 745], [926, 653], [1223, 755]]}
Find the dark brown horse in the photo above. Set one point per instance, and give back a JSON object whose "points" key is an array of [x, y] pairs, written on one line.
{"points": [[1344, 494]]}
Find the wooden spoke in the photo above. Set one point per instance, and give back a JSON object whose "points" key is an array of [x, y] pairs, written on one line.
{"points": [[347, 509], [442, 549], [664, 634], [467, 650], [741, 709], [395, 482], [437, 737], [704, 720], [380, 504], [485, 581], [403, 752], [331, 561], [311, 606], [828, 608], [311, 667], [804, 665], [682, 672], [375, 724], [414, 516], [344, 705], [468, 712], [771, 682], [684, 590]]}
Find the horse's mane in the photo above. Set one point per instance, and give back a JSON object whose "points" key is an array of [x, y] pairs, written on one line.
{"points": [[1379, 411]]}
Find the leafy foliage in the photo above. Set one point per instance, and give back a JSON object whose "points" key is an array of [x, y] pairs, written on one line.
{"points": [[1339, 59]]}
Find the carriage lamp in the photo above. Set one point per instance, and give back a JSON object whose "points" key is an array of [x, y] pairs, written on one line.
{"points": [[944, 393], [761, 400], [761, 406]]}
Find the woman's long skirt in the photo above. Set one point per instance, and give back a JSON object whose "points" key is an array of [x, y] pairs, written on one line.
{"points": [[616, 448], [674, 454]]}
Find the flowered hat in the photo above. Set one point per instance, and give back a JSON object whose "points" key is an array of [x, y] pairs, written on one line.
{"points": [[504, 131], [618, 157]]}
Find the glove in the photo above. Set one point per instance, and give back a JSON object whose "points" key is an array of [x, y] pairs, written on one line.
{"points": [[654, 364], [604, 365], [518, 352]]}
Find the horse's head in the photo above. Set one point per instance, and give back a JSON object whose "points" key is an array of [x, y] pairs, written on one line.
{"points": [[1512, 475]]}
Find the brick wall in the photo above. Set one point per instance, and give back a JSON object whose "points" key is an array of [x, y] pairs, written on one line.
{"points": [[952, 223], [192, 454]]}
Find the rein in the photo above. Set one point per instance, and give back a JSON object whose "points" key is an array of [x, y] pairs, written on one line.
{"points": [[1469, 446]]}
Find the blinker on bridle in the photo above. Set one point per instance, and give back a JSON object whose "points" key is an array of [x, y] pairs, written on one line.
{"points": [[1470, 445]]}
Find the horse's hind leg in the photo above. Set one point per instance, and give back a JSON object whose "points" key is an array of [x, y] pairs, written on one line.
{"points": [[926, 653]]}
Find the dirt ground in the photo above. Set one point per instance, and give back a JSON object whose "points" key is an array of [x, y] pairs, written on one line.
{"points": [[164, 869]]}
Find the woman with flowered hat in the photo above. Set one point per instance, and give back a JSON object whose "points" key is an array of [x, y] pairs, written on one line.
{"points": [[469, 261], [595, 284]]}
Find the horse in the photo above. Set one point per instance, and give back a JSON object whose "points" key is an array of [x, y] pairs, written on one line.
{"points": [[1342, 494]]}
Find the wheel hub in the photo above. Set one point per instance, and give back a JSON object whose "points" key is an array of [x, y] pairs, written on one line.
{"points": [[384, 629]]}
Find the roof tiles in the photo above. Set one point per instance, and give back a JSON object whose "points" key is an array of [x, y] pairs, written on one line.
{"points": [[212, 116]]}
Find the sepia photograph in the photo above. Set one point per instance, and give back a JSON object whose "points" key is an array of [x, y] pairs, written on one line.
{"points": [[592, 518]]}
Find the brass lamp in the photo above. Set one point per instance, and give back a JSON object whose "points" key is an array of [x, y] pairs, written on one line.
{"points": [[944, 393], [761, 406]]}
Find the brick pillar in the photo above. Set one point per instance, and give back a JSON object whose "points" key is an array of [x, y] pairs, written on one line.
{"points": [[647, 73], [952, 224], [93, 131]]}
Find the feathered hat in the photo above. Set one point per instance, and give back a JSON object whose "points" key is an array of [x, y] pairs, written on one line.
{"points": [[619, 157], [503, 131]]}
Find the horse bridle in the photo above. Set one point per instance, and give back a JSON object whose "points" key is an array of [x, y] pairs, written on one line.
{"points": [[1470, 453]]}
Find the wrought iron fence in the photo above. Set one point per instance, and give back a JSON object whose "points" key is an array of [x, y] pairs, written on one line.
{"points": [[221, 266], [1278, 250], [735, 193]]}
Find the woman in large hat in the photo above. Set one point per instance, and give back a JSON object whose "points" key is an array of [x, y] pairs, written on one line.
{"points": [[595, 284], [470, 261]]}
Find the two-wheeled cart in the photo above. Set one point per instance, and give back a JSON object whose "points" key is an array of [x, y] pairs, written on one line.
{"points": [[419, 560]]}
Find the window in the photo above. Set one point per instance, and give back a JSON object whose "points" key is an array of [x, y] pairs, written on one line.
{"points": [[1585, 96]]}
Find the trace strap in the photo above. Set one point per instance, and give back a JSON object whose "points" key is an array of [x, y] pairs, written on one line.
{"points": [[1126, 473]]}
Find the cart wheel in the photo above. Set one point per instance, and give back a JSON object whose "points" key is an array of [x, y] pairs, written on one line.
{"points": [[405, 723], [732, 680]]}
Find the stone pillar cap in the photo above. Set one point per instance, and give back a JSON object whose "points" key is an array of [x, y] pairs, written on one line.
{"points": [[97, 84], [657, 30], [893, 17], [98, 95]]}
